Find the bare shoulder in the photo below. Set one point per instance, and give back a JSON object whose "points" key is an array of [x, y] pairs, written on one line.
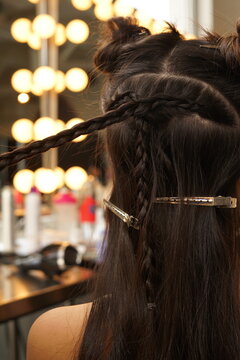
{"points": [[57, 333]]}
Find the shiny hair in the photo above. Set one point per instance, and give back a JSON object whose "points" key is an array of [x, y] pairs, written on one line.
{"points": [[169, 290]]}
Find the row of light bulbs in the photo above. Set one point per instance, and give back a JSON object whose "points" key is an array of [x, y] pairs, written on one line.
{"points": [[44, 26], [45, 78], [47, 180], [105, 9], [24, 130]]}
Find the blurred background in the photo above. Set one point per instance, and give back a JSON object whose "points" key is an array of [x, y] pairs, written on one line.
{"points": [[48, 84]]}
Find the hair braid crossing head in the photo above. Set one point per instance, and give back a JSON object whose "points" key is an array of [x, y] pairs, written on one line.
{"points": [[123, 112]]}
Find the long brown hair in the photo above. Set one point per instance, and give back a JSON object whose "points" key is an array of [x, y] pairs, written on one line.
{"points": [[169, 290]]}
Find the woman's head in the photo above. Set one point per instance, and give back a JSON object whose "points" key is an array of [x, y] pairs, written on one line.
{"points": [[179, 137], [171, 108]]}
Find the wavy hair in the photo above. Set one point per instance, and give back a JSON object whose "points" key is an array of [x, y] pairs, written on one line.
{"points": [[170, 290]]}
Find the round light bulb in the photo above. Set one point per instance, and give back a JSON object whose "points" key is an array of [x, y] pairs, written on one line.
{"points": [[60, 177], [75, 177], [73, 122], [143, 19], [45, 77], [77, 31], [60, 34], [23, 181], [22, 130], [34, 41], [21, 29], [122, 8], [44, 25], [23, 98], [82, 4], [76, 79], [60, 81], [46, 180], [44, 127], [59, 126], [22, 80], [104, 11]]}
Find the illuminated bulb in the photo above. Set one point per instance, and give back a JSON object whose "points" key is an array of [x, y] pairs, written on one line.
{"points": [[45, 77], [23, 98], [22, 80], [34, 1], [44, 25], [60, 34], [73, 122], [142, 18], [157, 27], [75, 177], [60, 81], [44, 127], [59, 126], [23, 181], [46, 180], [122, 8], [60, 177], [77, 31], [36, 89], [104, 11], [76, 79], [21, 29], [22, 130], [34, 41], [82, 4]]}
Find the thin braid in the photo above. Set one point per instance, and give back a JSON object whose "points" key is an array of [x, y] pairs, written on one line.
{"points": [[87, 127], [143, 194], [124, 111], [141, 168]]}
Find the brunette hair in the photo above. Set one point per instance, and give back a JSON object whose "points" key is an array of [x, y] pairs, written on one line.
{"points": [[169, 290]]}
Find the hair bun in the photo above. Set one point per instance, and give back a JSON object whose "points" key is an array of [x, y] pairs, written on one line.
{"points": [[118, 32]]}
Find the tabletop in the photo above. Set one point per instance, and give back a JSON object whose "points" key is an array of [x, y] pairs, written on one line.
{"points": [[21, 293]]}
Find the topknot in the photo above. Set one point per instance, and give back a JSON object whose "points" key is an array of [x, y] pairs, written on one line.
{"points": [[118, 32]]}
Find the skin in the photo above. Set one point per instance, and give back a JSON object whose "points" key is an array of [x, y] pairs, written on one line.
{"points": [[57, 333]]}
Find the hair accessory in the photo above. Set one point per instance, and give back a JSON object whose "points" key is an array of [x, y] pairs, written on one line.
{"points": [[219, 201], [210, 46], [128, 219]]}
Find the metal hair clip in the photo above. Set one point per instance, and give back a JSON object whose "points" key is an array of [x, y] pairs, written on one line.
{"points": [[219, 201], [128, 219], [209, 46]]}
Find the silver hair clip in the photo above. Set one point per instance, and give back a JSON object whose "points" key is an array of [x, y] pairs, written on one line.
{"points": [[131, 221], [218, 201], [209, 46]]}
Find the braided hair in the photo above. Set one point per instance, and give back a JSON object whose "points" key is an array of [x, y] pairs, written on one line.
{"points": [[119, 114]]}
